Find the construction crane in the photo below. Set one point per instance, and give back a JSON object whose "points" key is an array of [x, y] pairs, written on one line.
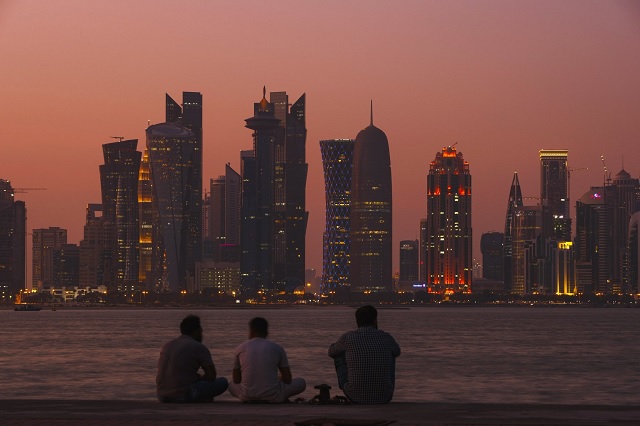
{"points": [[120, 138], [25, 190], [607, 173]]}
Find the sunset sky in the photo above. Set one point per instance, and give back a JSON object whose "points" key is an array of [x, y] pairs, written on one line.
{"points": [[502, 79]]}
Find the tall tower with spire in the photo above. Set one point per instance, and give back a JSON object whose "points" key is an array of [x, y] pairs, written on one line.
{"points": [[514, 203], [371, 212]]}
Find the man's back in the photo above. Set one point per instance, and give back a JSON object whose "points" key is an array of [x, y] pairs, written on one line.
{"points": [[259, 360], [370, 356], [178, 365]]}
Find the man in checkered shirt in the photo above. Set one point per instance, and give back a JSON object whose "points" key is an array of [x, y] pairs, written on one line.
{"points": [[365, 360]]}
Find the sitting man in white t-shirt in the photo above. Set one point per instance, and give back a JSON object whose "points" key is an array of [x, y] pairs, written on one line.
{"points": [[256, 365]]}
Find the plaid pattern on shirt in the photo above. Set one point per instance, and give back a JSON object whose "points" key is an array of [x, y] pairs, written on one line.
{"points": [[370, 354]]}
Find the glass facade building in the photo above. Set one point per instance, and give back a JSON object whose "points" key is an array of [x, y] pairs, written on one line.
{"points": [[337, 165], [119, 184], [173, 162]]}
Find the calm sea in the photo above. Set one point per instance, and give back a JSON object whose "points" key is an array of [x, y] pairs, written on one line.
{"points": [[449, 354]]}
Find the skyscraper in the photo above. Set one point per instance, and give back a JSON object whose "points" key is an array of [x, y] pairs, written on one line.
{"points": [[337, 165], [97, 250], [409, 260], [554, 185], [449, 238], [145, 222], [634, 253], [274, 177], [190, 116], [44, 241], [224, 214], [592, 243], [371, 212], [622, 198], [527, 225], [290, 178], [172, 158], [491, 246], [13, 218], [119, 184], [514, 202], [258, 183]]}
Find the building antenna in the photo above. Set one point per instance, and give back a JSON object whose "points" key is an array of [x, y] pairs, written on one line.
{"points": [[372, 112]]}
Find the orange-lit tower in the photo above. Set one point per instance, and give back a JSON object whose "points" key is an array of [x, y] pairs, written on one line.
{"points": [[448, 246]]}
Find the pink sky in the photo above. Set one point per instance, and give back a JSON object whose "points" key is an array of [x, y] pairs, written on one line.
{"points": [[502, 79]]}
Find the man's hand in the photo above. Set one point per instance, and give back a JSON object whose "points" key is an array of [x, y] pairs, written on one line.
{"points": [[209, 373]]}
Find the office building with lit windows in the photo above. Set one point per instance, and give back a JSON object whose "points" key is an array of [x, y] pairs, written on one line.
{"points": [[175, 187], [119, 186], [274, 216], [409, 261], [554, 187], [371, 212], [448, 247], [13, 220], [189, 115], [337, 165]]}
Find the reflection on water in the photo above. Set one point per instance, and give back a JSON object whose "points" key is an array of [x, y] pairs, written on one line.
{"points": [[467, 354]]}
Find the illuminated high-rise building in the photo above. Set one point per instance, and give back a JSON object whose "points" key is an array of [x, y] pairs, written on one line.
{"points": [[189, 115], [257, 258], [423, 250], [274, 217], [175, 189], [119, 185], [527, 225], [13, 218], [514, 202], [409, 261], [371, 212], [145, 222], [554, 187], [224, 215], [622, 199], [634, 253], [449, 238], [592, 243], [290, 178], [337, 165]]}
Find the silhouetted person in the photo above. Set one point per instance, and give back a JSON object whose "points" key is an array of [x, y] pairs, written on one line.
{"points": [[365, 360], [180, 360], [256, 365]]}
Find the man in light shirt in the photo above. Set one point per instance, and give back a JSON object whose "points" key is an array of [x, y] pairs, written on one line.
{"points": [[256, 365]]}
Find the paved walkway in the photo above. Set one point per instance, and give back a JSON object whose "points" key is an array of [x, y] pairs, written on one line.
{"points": [[99, 413]]}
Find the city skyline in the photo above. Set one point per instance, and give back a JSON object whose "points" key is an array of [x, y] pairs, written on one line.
{"points": [[502, 80]]}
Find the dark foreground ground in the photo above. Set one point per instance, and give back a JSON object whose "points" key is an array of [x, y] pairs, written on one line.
{"points": [[99, 413]]}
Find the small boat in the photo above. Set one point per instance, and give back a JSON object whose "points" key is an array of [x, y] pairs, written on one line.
{"points": [[27, 308]]}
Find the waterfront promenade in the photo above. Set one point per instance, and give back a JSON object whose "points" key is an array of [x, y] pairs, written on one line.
{"points": [[100, 413]]}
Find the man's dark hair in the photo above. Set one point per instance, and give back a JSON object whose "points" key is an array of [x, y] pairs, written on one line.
{"points": [[190, 325], [259, 326], [366, 315]]}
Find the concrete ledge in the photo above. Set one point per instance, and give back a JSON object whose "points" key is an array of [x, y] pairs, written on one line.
{"points": [[93, 412]]}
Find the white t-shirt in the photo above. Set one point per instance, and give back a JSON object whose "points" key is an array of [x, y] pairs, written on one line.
{"points": [[259, 360]]}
